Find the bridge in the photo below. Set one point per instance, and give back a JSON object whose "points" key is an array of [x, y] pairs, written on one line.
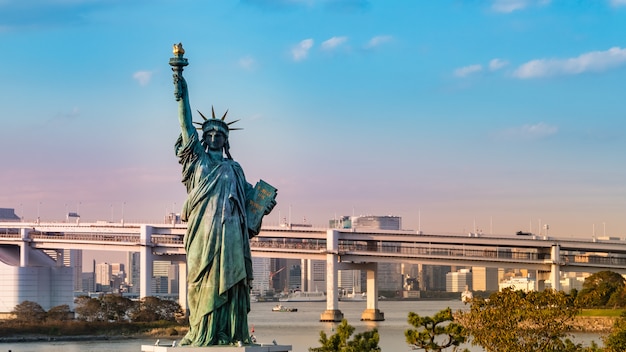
{"points": [[342, 249]]}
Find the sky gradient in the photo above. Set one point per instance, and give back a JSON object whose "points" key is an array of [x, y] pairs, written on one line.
{"points": [[458, 116]]}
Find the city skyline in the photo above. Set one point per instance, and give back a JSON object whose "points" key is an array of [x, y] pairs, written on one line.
{"points": [[457, 116]]}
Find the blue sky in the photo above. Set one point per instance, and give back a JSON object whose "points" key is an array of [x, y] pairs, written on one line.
{"points": [[458, 115]]}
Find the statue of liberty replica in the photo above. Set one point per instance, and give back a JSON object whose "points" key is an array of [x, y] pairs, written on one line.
{"points": [[223, 211]]}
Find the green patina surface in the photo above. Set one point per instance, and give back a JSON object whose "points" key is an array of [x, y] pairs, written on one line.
{"points": [[219, 262]]}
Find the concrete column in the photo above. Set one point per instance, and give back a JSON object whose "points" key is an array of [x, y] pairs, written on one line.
{"points": [[60, 257], [332, 312], [555, 269], [304, 271], [24, 248], [182, 287], [145, 262], [372, 313]]}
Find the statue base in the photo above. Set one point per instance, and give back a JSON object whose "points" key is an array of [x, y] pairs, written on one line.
{"points": [[263, 347], [372, 315]]}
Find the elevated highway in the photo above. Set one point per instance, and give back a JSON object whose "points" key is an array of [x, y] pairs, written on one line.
{"points": [[340, 248]]}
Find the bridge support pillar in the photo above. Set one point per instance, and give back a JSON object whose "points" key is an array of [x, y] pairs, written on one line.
{"points": [[182, 287], [60, 257], [332, 312], [555, 269], [145, 261], [372, 313], [24, 248]]}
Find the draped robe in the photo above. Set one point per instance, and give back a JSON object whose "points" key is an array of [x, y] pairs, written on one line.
{"points": [[219, 262]]}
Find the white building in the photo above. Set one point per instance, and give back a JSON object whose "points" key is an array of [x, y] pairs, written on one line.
{"points": [[261, 269], [41, 280], [519, 283]]}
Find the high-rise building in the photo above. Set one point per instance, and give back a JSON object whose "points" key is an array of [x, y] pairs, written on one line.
{"points": [[484, 279], [103, 277], [165, 276], [133, 277], [295, 277], [261, 271], [458, 281], [434, 277]]}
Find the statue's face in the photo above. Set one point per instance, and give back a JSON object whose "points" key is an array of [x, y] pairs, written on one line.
{"points": [[215, 140]]}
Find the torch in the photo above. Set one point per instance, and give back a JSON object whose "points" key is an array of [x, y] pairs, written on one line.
{"points": [[178, 62]]}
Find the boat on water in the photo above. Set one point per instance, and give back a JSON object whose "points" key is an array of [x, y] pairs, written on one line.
{"points": [[467, 296], [302, 296], [281, 308], [353, 296]]}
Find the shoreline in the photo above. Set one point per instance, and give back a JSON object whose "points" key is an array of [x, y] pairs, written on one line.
{"points": [[581, 324]]}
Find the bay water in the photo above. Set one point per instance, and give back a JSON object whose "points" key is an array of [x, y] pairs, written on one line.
{"points": [[300, 329]]}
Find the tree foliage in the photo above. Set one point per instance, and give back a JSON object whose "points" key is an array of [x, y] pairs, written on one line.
{"points": [[603, 289], [116, 307], [514, 321], [435, 334], [89, 309], [616, 340], [154, 309], [339, 342], [59, 313], [29, 311]]}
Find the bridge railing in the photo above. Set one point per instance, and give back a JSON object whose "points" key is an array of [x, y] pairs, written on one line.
{"points": [[85, 237], [282, 243], [354, 247], [609, 260]]}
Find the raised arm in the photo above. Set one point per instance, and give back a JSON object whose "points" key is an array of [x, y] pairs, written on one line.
{"points": [[184, 109], [181, 93]]}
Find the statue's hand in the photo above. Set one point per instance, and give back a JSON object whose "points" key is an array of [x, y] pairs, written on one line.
{"points": [[180, 86], [270, 206]]}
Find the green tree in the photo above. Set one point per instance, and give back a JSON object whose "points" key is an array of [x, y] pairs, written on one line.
{"points": [[89, 309], [616, 340], [29, 312], [602, 289], [435, 334], [59, 313], [339, 341], [116, 307], [514, 321], [153, 309]]}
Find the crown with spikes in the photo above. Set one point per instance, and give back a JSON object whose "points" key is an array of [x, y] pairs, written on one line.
{"points": [[215, 124]]}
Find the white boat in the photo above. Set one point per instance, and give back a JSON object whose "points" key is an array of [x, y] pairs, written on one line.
{"points": [[300, 296], [467, 296], [354, 296], [281, 308]]}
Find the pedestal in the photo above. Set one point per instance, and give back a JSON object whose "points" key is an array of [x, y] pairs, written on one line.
{"points": [[333, 315], [372, 315], [218, 348]]}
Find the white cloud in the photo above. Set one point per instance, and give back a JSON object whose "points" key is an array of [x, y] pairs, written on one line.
{"points": [[595, 61], [497, 64], [301, 51], [333, 42], [508, 6], [467, 70], [378, 40], [537, 131], [247, 62], [617, 3], [143, 77]]}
